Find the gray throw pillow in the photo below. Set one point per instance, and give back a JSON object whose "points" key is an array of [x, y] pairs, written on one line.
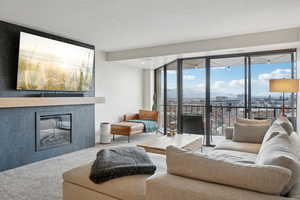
{"points": [[285, 123], [250, 133]]}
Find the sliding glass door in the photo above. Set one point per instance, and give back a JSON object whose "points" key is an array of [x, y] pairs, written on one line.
{"points": [[207, 94], [227, 92], [193, 106], [160, 97], [172, 96], [263, 103]]}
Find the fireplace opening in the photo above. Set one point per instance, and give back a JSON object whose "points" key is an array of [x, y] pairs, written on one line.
{"points": [[53, 130]]}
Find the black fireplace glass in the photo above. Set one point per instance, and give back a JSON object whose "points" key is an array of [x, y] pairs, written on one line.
{"points": [[53, 130]]}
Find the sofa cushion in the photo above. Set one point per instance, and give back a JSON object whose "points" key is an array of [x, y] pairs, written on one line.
{"points": [[129, 187], [252, 133], [171, 187], [285, 123], [252, 121], [234, 156], [277, 151], [238, 146], [148, 115], [261, 178]]}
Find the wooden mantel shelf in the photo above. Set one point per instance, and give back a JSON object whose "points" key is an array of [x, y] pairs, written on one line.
{"points": [[17, 102]]}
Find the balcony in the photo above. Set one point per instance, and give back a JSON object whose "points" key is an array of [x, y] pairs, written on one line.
{"points": [[223, 116]]}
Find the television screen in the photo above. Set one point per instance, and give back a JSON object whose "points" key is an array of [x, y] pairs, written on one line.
{"points": [[46, 64]]}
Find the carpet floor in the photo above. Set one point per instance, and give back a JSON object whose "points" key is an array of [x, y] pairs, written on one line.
{"points": [[43, 180]]}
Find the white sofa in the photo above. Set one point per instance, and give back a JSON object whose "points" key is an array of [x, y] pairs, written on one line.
{"points": [[167, 186]]}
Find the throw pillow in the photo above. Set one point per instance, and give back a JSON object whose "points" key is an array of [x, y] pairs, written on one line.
{"points": [[250, 133], [285, 123], [252, 121]]}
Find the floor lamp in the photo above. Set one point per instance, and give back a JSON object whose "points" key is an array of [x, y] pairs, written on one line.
{"points": [[284, 85]]}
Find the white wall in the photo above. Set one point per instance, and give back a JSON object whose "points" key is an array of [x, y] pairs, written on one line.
{"points": [[122, 87], [148, 88]]}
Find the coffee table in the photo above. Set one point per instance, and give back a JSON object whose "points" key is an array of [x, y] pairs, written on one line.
{"points": [[159, 144]]}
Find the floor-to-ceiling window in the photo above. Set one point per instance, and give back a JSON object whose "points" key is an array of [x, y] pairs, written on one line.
{"points": [[265, 104], [172, 96], [159, 96], [210, 93], [227, 92]]}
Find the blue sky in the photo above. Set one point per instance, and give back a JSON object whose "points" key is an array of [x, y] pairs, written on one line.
{"points": [[230, 81]]}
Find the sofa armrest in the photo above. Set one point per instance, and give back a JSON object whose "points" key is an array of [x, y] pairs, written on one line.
{"points": [[229, 133], [178, 188], [131, 117]]}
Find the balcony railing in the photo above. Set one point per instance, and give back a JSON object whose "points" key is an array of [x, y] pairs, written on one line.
{"points": [[224, 116]]}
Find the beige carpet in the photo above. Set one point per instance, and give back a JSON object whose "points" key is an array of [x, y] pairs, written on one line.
{"points": [[43, 180]]}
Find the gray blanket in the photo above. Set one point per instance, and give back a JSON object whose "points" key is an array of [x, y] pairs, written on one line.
{"points": [[120, 161]]}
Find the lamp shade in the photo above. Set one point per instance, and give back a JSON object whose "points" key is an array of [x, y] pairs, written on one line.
{"points": [[284, 85]]}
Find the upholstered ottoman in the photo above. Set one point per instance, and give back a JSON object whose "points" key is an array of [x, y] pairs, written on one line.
{"points": [[127, 129], [78, 186]]}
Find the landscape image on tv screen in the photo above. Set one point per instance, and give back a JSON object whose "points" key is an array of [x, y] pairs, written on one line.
{"points": [[46, 64]]}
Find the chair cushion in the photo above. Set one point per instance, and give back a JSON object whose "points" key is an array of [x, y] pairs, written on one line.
{"points": [[238, 146], [148, 115], [129, 187], [261, 178], [130, 126], [252, 133], [277, 151]]}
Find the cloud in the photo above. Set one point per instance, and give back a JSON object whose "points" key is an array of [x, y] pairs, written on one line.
{"points": [[237, 83], [218, 68], [200, 87], [218, 85], [215, 86], [171, 71], [276, 74], [189, 77]]}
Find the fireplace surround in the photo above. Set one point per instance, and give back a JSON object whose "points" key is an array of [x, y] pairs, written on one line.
{"points": [[19, 109]]}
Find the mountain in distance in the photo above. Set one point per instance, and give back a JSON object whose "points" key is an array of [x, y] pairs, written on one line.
{"points": [[192, 93]]}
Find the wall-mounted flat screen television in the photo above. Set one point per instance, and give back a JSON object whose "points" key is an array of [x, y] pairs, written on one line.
{"points": [[46, 64]]}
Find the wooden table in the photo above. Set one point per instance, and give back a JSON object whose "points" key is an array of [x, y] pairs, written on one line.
{"points": [[159, 144]]}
